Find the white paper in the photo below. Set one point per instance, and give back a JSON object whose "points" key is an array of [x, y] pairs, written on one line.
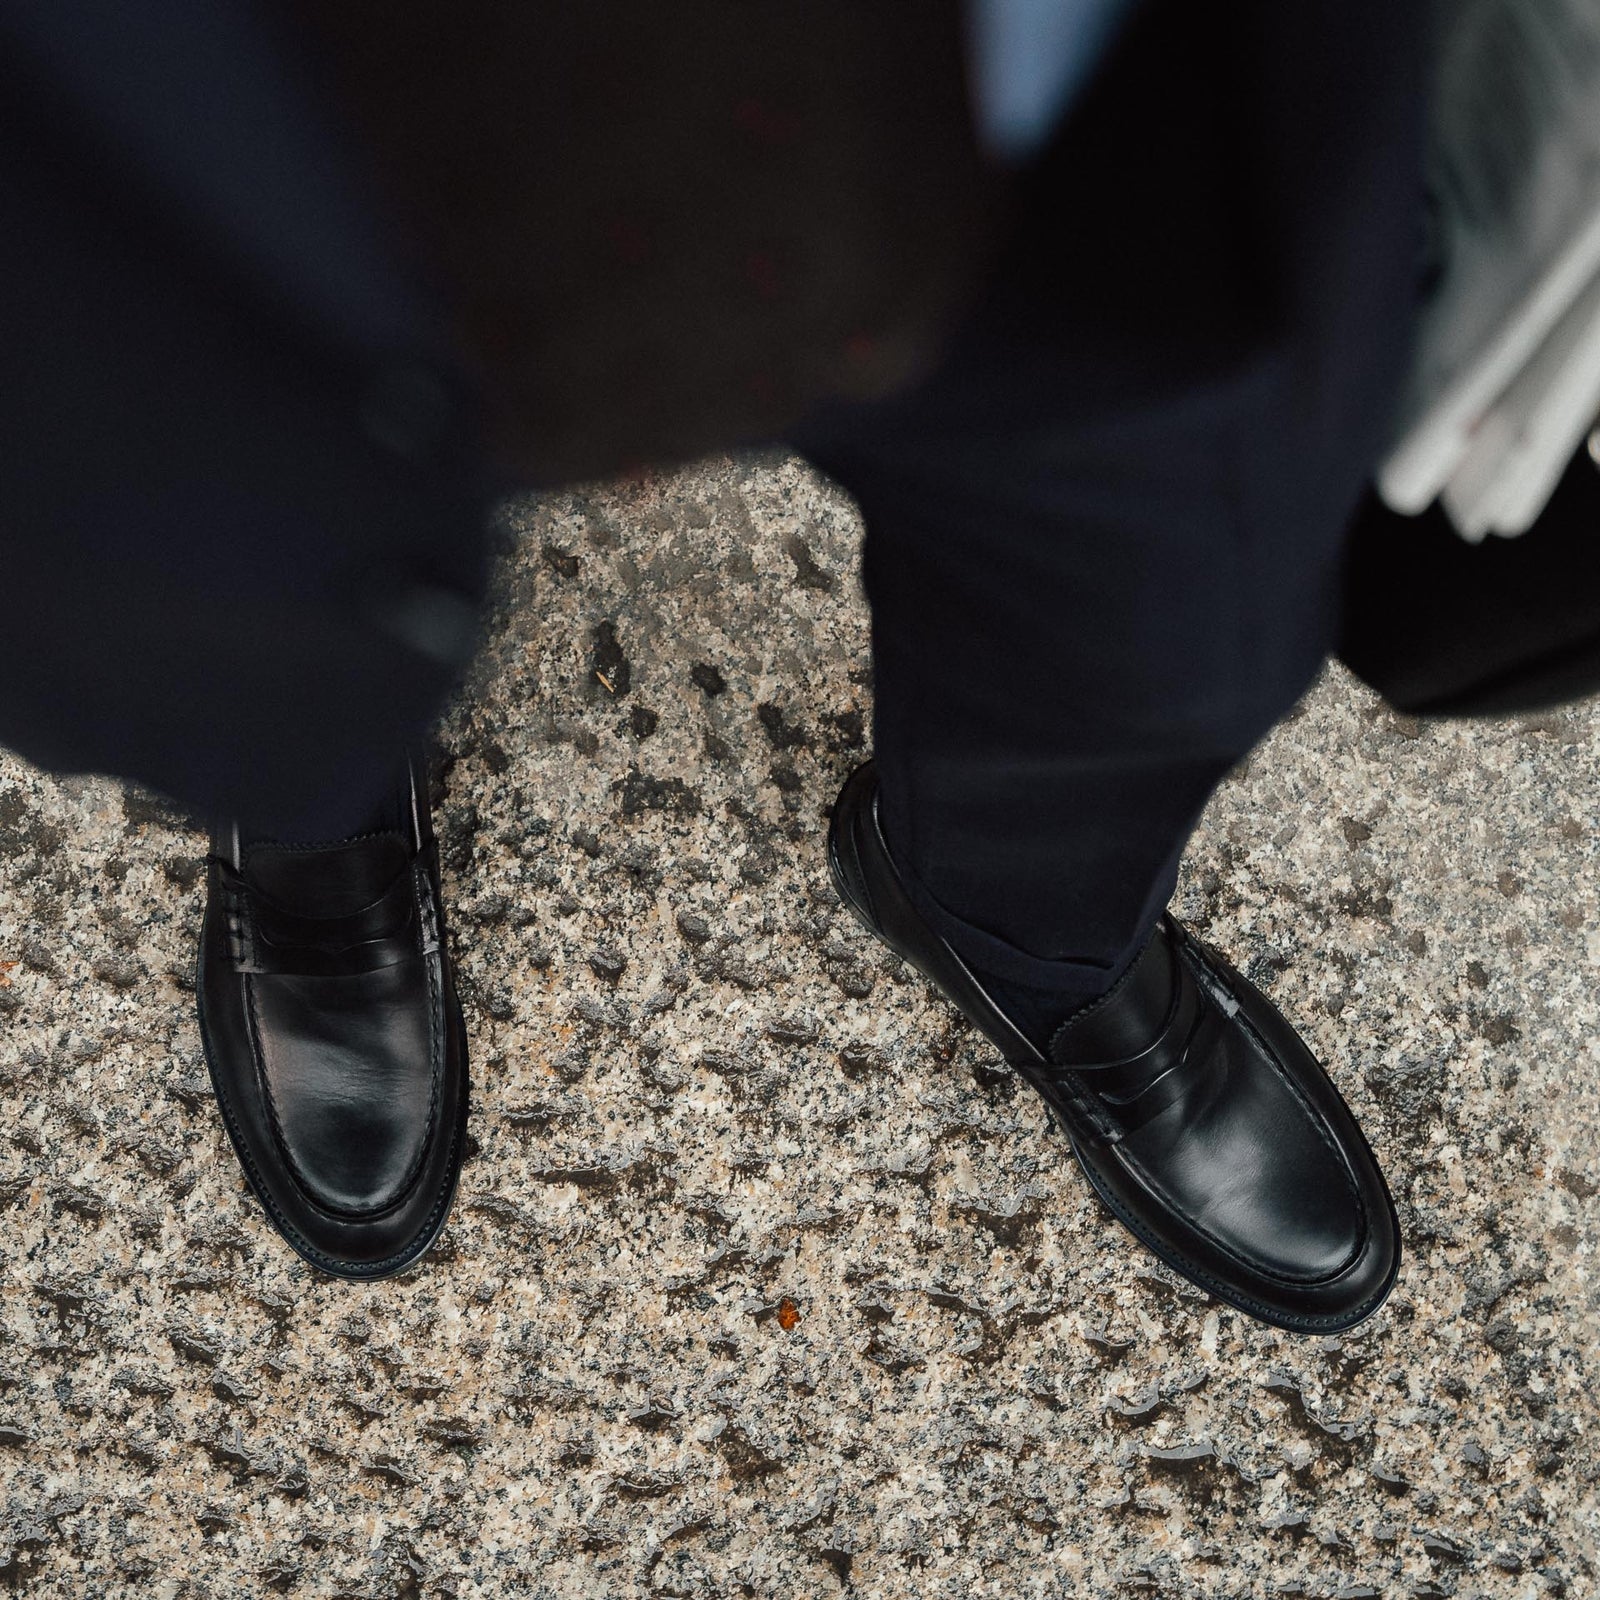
{"points": [[1515, 182]]}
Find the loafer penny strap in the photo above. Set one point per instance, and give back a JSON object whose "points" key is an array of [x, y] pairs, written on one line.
{"points": [[1130, 1091], [267, 938]]}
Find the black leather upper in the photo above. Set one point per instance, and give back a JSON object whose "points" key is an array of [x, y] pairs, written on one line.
{"points": [[1198, 1114], [335, 1041]]}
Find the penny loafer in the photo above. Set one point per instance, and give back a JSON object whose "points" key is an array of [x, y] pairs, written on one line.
{"points": [[1198, 1114], [334, 1037]]}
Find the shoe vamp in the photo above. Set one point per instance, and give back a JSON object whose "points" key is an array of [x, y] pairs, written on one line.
{"points": [[350, 1065], [1244, 1161]]}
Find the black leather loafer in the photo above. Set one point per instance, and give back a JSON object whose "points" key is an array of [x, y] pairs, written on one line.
{"points": [[334, 1037], [1202, 1120]]}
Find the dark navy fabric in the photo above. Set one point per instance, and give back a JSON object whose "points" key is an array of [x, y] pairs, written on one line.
{"points": [[201, 108], [243, 516], [1103, 542], [243, 531]]}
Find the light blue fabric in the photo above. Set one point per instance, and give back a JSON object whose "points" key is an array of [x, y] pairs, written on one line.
{"points": [[1029, 58]]}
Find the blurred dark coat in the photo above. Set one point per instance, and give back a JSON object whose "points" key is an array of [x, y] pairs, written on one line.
{"points": [[241, 485], [236, 466]]}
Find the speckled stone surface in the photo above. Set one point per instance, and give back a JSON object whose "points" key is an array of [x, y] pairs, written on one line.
{"points": [[763, 1280]]}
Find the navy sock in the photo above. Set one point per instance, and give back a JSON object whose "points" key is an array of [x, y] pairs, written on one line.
{"points": [[1040, 1013]]}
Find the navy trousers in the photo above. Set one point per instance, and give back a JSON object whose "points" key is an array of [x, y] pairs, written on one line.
{"points": [[1104, 539]]}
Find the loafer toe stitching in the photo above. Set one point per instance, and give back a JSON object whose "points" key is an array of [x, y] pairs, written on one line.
{"points": [[1286, 1076], [307, 1187], [393, 1262], [1121, 1152], [1176, 1209], [314, 1253], [1310, 1321], [1080, 1087]]}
